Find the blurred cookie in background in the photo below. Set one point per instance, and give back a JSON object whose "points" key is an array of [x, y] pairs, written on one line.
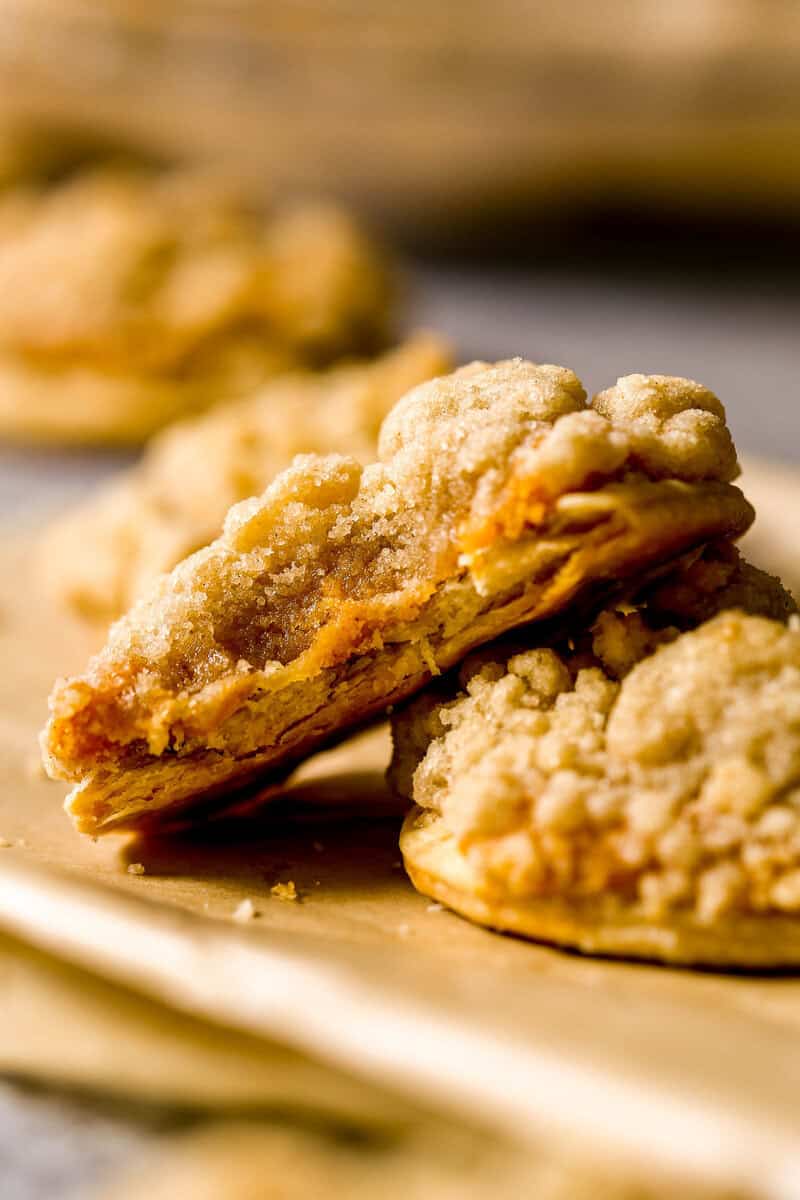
{"points": [[131, 297]]}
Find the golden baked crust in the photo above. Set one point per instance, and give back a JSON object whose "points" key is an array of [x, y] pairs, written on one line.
{"points": [[631, 789], [600, 924], [129, 298], [101, 556], [499, 498]]}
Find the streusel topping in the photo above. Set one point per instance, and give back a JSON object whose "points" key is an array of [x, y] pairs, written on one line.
{"points": [[100, 557], [638, 759]]}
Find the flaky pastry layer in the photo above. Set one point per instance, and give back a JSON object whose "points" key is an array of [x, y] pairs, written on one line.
{"points": [[499, 498]]}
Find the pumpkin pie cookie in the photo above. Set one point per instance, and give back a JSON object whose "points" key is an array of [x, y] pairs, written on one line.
{"points": [[499, 498], [631, 790], [129, 298], [98, 558]]}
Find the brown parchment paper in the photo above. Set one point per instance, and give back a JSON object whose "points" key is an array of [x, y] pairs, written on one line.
{"points": [[230, 1161], [688, 1071], [75, 1029]]}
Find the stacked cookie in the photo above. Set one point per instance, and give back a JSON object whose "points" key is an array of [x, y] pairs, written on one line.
{"points": [[604, 746]]}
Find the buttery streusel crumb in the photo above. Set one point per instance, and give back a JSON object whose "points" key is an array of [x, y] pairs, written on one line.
{"points": [[98, 558], [285, 891], [499, 497], [656, 765]]}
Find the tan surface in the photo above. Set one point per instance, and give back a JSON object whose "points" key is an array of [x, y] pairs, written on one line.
{"points": [[252, 1162], [74, 1029], [774, 540], [530, 1038]]}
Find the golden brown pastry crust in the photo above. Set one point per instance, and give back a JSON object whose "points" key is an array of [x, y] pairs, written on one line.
{"points": [[98, 558], [499, 498], [629, 789], [129, 298], [604, 925]]}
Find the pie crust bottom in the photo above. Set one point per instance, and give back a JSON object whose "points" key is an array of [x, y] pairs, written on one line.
{"points": [[608, 925]]}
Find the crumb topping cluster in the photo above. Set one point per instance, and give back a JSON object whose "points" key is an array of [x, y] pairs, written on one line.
{"points": [[658, 764], [328, 531], [100, 557]]}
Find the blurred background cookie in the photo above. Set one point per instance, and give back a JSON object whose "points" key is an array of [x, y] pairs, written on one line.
{"points": [[128, 298]]}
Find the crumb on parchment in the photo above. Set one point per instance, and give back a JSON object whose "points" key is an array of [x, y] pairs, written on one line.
{"points": [[284, 891], [245, 911], [136, 868]]}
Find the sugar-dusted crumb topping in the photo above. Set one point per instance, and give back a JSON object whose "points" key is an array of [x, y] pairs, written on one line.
{"points": [[99, 557], [335, 560], [673, 425], [638, 759]]}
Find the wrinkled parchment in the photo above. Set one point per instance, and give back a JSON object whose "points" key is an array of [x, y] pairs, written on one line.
{"points": [[358, 979]]}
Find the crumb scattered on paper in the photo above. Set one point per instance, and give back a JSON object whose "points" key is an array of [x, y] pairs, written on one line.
{"points": [[135, 868], [404, 930], [284, 891], [434, 908], [244, 911], [4, 843], [23, 845]]}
